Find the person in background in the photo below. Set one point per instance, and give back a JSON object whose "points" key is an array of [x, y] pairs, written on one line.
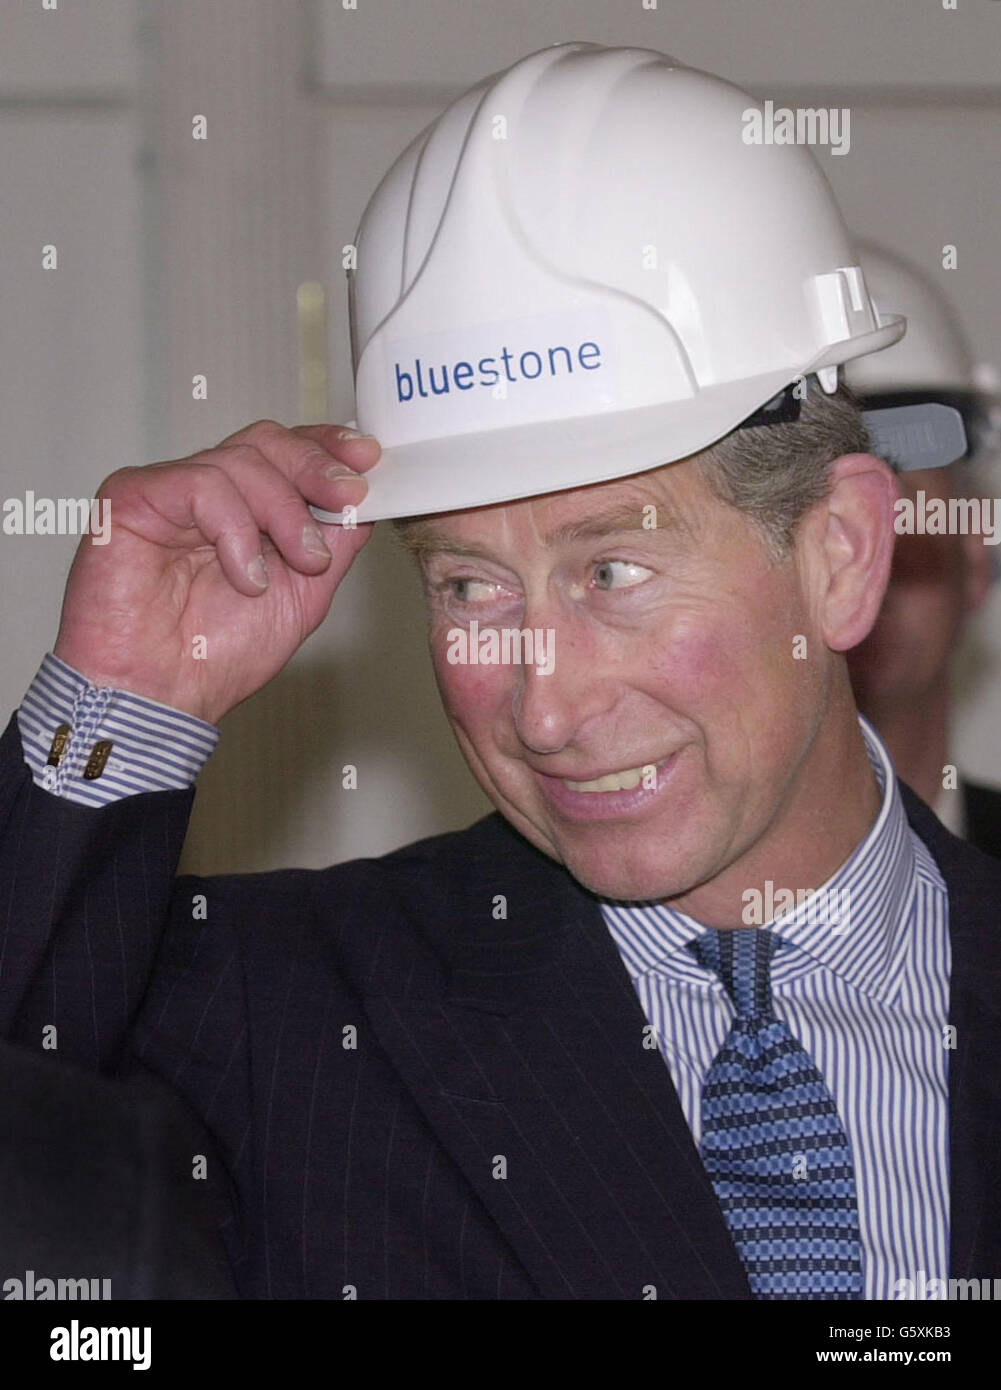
{"points": [[901, 672]]}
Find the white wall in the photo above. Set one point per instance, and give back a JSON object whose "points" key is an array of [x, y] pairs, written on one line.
{"points": [[177, 258]]}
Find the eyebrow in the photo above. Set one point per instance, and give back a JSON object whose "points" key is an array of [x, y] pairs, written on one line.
{"points": [[426, 538]]}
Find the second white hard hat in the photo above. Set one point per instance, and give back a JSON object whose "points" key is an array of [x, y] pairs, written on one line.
{"points": [[934, 352], [934, 362]]}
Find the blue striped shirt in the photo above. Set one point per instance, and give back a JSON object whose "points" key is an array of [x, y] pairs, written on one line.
{"points": [[866, 993]]}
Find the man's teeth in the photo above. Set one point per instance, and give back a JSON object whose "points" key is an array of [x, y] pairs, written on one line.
{"points": [[624, 781]]}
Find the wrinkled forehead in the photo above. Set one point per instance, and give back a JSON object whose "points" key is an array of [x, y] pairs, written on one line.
{"points": [[671, 500]]}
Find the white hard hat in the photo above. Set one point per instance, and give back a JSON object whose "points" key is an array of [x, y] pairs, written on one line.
{"points": [[581, 271], [934, 362]]}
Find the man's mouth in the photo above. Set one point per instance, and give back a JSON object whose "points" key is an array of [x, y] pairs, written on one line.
{"points": [[625, 781]]}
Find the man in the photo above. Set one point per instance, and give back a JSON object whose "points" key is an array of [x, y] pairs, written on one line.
{"points": [[561, 1054], [901, 672]]}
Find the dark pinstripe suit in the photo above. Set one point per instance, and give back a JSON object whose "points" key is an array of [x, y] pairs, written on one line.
{"points": [[498, 1130]]}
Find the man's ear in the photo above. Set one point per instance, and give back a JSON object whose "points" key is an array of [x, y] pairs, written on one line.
{"points": [[977, 571], [849, 540]]}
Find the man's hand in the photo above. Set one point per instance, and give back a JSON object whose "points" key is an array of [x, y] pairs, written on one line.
{"points": [[220, 546]]}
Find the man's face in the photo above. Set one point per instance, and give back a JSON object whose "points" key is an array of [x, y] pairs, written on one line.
{"points": [[936, 582], [674, 648]]}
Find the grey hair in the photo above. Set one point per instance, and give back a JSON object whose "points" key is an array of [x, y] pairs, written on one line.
{"points": [[774, 474]]}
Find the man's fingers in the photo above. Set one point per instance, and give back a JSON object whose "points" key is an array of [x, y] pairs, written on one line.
{"points": [[277, 506], [227, 498], [333, 464], [325, 462], [196, 502], [305, 453], [255, 484], [359, 451]]}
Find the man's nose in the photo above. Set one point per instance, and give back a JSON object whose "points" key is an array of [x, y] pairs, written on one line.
{"points": [[555, 700]]}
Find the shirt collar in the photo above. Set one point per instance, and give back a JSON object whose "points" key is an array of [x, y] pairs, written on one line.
{"points": [[854, 925]]}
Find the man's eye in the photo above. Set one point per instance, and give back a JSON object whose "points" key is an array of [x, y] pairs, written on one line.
{"points": [[619, 574], [469, 590]]}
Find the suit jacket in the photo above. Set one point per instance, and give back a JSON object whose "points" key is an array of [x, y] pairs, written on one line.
{"points": [[96, 1185], [416, 1096]]}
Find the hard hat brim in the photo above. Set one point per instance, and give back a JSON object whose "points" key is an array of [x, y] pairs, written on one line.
{"points": [[466, 471]]}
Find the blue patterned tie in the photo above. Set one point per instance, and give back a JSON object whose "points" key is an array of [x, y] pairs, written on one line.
{"points": [[772, 1142]]}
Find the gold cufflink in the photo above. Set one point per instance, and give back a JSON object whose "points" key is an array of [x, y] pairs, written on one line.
{"points": [[98, 758], [59, 742]]}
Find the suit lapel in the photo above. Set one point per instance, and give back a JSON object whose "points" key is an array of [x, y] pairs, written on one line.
{"points": [[974, 884], [529, 1063], [983, 817]]}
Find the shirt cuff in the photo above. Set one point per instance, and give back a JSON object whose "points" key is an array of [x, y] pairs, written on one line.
{"points": [[95, 744]]}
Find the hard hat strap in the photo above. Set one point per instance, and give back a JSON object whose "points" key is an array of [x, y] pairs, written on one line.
{"points": [[913, 429], [782, 409]]}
